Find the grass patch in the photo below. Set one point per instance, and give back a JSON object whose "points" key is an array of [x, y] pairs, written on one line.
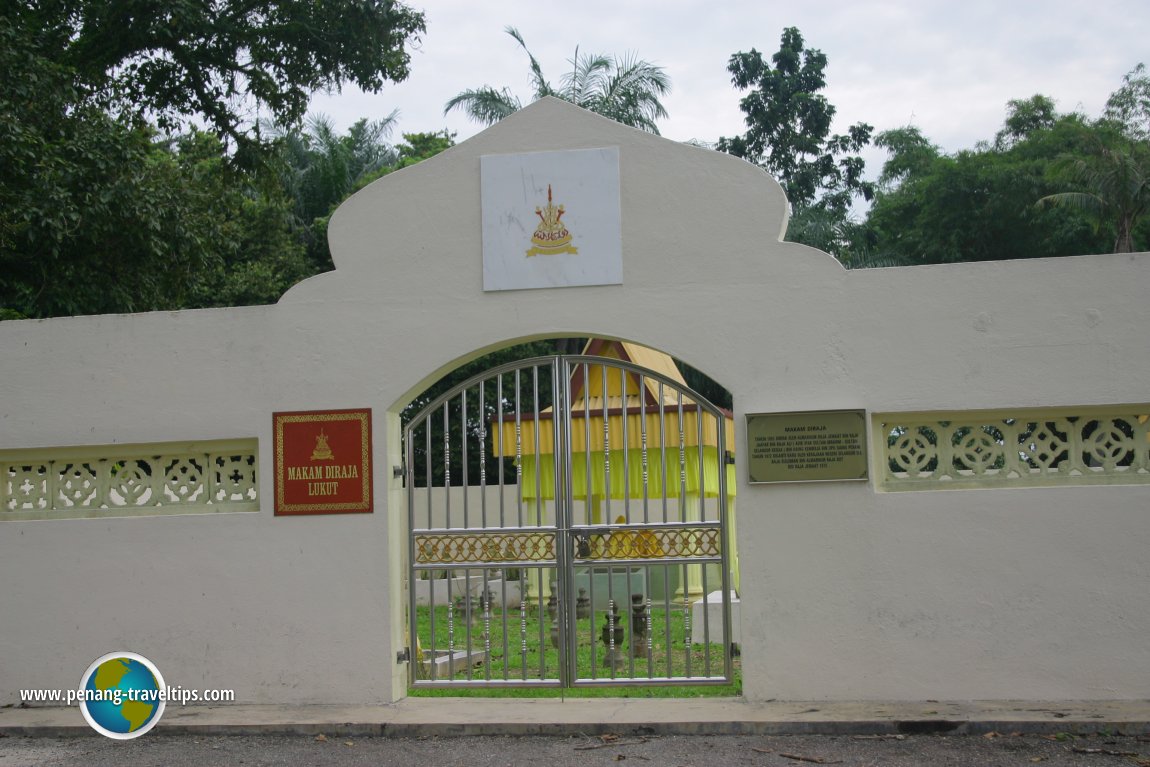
{"points": [[518, 647]]}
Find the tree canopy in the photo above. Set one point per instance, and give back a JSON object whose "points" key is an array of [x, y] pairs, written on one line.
{"points": [[176, 61], [1048, 184], [789, 127], [1129, 106], [111, 198]]}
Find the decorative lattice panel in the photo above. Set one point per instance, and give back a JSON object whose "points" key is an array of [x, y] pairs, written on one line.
{"points": [[118, 480], [652, 543], [485, 548], [1004, 449]]}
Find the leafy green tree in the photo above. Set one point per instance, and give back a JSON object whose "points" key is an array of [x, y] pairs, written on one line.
{"points": [[1089, 178], [105, 226], [213, 61], [1129, 106], [978, 205], [99, 212], [258, 248], [102, 215], [625, 89], [1024, 117], [94, 216], [789, 127], [910, 154]]}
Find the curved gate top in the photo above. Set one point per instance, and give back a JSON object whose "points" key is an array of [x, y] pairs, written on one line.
{"points": [[568, 518]]}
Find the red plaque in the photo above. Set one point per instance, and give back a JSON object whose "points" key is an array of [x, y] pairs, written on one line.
{"points": [[323, 462]]}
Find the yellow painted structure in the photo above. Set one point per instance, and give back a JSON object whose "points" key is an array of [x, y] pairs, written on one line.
{"points": [[611, 408], [632, 438]]}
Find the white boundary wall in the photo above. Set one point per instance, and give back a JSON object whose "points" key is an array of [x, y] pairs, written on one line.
{"points": [[846, 593]]}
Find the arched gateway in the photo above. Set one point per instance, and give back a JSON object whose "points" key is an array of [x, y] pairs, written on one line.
{"points": [[567, 516]]}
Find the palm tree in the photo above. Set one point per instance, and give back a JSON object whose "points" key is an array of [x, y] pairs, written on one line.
{"points": [[1114, 184], [319, 168], [625, 89], [324, 165]]}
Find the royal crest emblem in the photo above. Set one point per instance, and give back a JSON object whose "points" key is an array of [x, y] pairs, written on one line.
{"points": [[322, 450], [551, 236]]}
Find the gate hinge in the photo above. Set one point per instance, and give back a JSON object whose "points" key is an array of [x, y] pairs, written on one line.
{"points": [[403, 656]]}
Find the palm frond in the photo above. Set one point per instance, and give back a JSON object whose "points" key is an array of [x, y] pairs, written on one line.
{"points": [[631, 93], [1111, 182], [1081, 200], [485, 105], [633, 74], [542, 87], [384, 126], [367, 141], [319, 131], [585, 83]]}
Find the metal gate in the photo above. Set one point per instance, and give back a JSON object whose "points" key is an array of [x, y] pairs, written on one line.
{"points": [[568, 516]]}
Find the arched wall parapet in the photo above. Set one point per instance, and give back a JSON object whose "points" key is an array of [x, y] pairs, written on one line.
{"points": [[415, 230]]}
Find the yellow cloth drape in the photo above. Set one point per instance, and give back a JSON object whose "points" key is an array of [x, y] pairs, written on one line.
{"points": [[539, 482], [650, 426]]}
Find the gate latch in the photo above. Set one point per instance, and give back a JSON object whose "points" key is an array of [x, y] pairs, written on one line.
{"points": [[403, 656]]}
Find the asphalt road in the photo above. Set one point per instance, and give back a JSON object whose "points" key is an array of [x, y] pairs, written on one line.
{"points": [[1004, 750]]}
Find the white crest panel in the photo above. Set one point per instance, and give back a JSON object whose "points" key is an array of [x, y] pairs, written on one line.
{"points": [[551, 219]]}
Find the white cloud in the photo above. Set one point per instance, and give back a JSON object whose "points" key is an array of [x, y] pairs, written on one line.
{"points": [[946, 67]]}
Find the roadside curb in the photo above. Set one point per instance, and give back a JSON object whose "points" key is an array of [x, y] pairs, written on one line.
{"points": [[461, 717]]}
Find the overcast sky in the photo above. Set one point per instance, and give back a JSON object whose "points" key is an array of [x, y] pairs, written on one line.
{"points": [[947, 67]]}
